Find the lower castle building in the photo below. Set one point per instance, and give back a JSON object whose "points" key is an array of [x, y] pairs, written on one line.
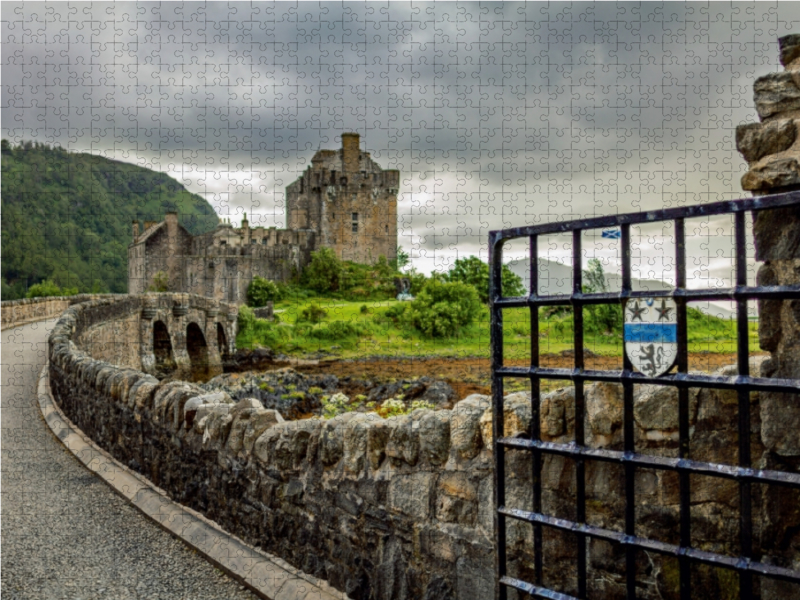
{"points": [[343, 201]]}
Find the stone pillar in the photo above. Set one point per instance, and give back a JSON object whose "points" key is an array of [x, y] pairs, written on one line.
{"points": [[772, 151]]}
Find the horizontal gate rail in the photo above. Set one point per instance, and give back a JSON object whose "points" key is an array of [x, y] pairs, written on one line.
{"points": [[742, 472]]}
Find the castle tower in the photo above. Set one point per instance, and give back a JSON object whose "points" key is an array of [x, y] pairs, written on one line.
{"points": [[348, 201]]}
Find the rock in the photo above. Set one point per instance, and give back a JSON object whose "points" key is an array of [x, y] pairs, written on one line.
{"points": [[244, 405], [557, 413], [790, 48], [772, 173], [769, 312], [201, 420], [440, 394], [516, 418], [217, 429], [776, 93], [193, 404], [465, 421], [655, 407], [604, 408], [434, 439], [776, 234], [403, 442], [456, 498], [756, 140], [259, 422], [411, 494], [377, 438], [355, 437], [332, 439]]}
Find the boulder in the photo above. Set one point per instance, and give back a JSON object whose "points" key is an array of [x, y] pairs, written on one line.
{"points": [[756, 140], [516, 418], [776, 93], [434, 438]]}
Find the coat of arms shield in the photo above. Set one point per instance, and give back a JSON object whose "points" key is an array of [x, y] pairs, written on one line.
{"points": [[651, 334]]}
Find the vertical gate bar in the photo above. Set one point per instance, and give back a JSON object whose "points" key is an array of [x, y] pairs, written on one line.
{"points": [[684, 564], [743, 359], [496, 342], [580, 466], [536, 459], [627, 430]]}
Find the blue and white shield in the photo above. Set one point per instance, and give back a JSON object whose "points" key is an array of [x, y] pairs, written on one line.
{"points": [[651, 334]]}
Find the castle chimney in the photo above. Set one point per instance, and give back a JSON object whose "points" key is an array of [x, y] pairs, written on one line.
{"points": [[135, 231], [351, 152]]}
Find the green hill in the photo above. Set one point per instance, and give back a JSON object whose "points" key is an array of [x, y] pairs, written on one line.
{"points": [[67, 217]]}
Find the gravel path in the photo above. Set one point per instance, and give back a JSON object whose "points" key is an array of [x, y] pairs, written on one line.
{"points": [[65, 534]]}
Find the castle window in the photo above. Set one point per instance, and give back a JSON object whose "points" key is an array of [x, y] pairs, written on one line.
{"points": [[386, 228], [263, 241], [253, 241], [223, 242], [355, 222]]}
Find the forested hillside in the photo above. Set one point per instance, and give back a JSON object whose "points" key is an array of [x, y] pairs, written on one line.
{"points": [[67, 217]]}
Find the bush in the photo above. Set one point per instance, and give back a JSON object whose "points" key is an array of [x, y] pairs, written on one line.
{"points": [[337, 330], [48, 288], [313, 313], [442, 309], [261, 291], [325, 273]]}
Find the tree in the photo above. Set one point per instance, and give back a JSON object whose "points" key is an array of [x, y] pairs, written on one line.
{"points": [[49, 288], [260, 291], [442, 309], [473, 271], [402, 259], [325, 272], [605, 318]]}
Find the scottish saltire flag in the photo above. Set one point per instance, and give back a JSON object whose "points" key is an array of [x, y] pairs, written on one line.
{"points": [[651, 334], [611, 234]]}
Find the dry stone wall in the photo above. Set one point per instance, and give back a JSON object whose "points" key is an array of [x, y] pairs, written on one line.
{"points": [[402, 508]]}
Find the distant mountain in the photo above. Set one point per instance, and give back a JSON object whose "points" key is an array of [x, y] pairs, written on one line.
{"points": [[67, 216], [555, 278]]}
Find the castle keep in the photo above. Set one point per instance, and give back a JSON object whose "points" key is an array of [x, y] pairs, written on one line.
{"points": [[343, 201]]}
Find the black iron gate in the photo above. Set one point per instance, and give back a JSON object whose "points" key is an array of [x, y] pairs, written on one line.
{"points": [[745, 565]]}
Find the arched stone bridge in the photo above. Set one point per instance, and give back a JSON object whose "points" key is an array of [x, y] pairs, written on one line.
{"points": [[180, 335]]}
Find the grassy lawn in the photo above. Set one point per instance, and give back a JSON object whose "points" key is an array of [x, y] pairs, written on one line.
{"points": [[358, 329]]}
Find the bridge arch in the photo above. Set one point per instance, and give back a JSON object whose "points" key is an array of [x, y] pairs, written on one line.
{"points": [[197, 348], [222, 343], [162, 349]]}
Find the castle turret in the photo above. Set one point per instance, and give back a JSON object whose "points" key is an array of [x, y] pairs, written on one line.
{"points": [[245, 230], [351, 152]]}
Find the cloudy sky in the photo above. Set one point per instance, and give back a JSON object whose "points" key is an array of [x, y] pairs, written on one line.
{"points": [[497, 115]]}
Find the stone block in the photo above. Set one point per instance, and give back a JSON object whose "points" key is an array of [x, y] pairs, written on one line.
{"points": [[465, 429], [411, 494], [456, 498], [776, 93], [260, 421], [434, 438], [756, 140], [403, 444]]}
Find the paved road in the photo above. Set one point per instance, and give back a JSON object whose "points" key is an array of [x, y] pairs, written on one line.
{"points": [[65, 534]]}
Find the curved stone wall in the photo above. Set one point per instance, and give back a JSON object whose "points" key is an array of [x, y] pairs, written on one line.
{"points": [[402, 507]]}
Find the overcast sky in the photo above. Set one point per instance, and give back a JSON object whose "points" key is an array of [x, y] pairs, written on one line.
{"points": [[497, 115]]}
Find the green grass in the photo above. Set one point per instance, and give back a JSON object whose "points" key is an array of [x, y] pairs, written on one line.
{"points": [[348, 332]]}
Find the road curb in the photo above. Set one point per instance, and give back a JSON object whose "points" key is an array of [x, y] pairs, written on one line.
{"points": [[265, 575]]}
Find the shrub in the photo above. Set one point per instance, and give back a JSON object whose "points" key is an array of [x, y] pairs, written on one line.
{"points": [[394, 407], [261, 291], [335, 405], [313, 313], [48, 288], [325, 272], [337, 330], [442, 309]]}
